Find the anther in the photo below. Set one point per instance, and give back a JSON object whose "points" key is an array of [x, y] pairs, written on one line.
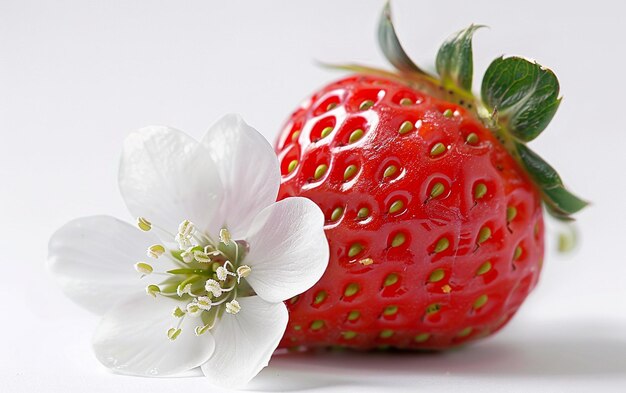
{"points": [[204, 303], [186, 228], [155, 251], [222, 273], [225, 236], [143, 268], [193, 309], [144, 224], [233, 307], [187, 255], [201, 256], [213, 287], [153, 290], [183, 241], [243, 271], [173, 333], [199, 330], [210, 250], [183, 289], [178, 312]]}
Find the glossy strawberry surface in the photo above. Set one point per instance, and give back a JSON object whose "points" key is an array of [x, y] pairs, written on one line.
{"points": [[435, 232]]}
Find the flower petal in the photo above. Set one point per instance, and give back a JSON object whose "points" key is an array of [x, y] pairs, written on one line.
{"points": [[93, 258], [132, 339], [288, 249], [245, 342], [249, 171], [167, 177]]}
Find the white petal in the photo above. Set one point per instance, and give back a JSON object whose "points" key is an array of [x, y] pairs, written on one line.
{"points": [[288, 249], [248, 168], [167, 177], [93, 259], [132, 339], [244, 342]]}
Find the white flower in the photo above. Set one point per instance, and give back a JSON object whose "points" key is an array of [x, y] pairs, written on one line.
{"points": [[228, 254]]}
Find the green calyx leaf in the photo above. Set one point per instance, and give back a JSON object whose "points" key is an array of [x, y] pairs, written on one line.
{"points": [[523, 95], [519, 99], [390, 45], [559, 201], [455, 61]]}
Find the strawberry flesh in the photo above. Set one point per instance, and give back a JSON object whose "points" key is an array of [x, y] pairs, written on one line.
{"points": [[435, 232]]}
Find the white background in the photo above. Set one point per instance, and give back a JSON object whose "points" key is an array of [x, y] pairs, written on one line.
{"points": [[77, 76]]}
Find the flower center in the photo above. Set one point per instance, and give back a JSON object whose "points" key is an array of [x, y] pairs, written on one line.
{"points": [[208, 278]]}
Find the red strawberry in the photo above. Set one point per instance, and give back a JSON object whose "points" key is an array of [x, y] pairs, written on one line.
{"points": [[432, 199]]}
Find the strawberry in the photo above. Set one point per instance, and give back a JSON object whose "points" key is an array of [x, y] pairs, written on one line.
{"points": [[433, 201]]}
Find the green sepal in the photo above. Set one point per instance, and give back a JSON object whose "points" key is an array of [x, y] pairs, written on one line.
{"points": [[560, 203], [390, 45], [455, 63], [523, 95]]}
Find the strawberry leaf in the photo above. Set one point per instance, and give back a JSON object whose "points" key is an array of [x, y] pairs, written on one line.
{"points": [[390, 45], [523, 94], [455, 60], [560, 202]]}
